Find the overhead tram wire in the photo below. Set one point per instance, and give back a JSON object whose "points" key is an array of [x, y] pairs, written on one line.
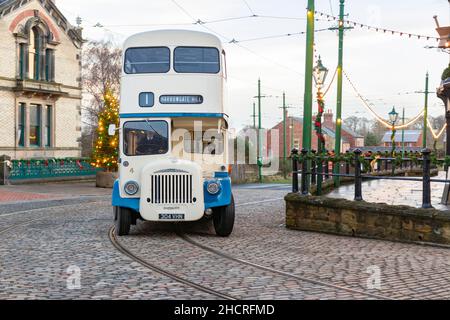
{"points": [[199, 21], [249, 8], [276, 36], [237, 44]]}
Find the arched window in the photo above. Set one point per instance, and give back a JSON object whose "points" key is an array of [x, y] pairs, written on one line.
{"points": [[34, 54], [36, 58]]}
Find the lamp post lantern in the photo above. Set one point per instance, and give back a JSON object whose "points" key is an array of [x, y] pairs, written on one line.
{"points": [[320, 74], [393, 117]]}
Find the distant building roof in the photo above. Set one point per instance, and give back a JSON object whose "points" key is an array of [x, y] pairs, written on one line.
{"points": [[410, 136], [386, 149], [331, 133]]}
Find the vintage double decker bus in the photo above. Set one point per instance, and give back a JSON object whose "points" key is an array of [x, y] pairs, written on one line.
{"points": [[173, 164]]}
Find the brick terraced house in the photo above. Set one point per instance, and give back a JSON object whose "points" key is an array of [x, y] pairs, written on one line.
{"points": [[40, 81], [350, 139]]}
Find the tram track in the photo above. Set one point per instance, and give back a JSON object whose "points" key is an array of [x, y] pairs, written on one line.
{"points": [[30, 211], [155, 268], [275, 271], [227, 256], [22, 224]]}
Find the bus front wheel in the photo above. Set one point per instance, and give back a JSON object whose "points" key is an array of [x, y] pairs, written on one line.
{"points": [[123, 221], [223, 218]]}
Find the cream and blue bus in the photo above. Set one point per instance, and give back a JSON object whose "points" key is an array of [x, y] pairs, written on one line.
{"points": [[173, 164]]}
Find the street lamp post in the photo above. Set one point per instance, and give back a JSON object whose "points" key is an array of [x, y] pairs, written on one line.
{"points": [[443, 93], [393, 117], [309, 60], [260, 154], [338, 129], [320, 74]]}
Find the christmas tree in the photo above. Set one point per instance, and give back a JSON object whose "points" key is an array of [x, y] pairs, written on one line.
{"points": [[106, 151]]}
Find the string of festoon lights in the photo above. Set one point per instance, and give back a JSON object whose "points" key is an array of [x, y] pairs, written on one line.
{"points": [[331, 83], [377, 29], [380, 119], [435, 135]]}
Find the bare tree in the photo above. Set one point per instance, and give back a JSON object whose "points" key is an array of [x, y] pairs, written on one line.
{"points": [[352, 122], [102, 62]]}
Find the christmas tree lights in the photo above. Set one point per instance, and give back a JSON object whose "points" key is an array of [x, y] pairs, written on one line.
{"points": [[105, 153]]}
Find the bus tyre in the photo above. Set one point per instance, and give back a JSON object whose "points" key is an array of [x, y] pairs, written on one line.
{"points": [[223, 218], [123, 221], [115, 211]]}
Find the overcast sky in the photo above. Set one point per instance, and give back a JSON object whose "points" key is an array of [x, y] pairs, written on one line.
{"points": [[383, 67]]}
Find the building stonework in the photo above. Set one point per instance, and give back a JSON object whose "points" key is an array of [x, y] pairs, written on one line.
{"points": [[40, 81]]}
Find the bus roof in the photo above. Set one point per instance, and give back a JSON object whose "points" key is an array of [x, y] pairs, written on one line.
{"points": [[173, 38]]}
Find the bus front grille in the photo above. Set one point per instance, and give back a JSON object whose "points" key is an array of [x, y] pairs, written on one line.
{"points": [[171, 188]]}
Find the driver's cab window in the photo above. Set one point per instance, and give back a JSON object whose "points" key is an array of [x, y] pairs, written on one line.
{"points": [[143, 138]]}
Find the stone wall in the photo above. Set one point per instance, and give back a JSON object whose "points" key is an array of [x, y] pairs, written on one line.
{"points": [[362, 219]]}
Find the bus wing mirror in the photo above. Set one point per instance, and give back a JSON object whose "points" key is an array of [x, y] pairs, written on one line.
{"points": [[112, 130]]}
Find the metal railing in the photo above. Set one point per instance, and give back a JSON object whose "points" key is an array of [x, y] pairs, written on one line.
{"points": [[309, 160], [50, 168]]}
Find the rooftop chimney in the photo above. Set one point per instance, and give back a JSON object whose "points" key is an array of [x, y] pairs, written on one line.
{"points": [[328, 119]]}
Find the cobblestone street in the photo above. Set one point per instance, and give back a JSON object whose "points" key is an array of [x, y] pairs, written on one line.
{"points": [[44, 244]]}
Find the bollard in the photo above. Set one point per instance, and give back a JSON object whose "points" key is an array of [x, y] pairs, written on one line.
{"points": [[379, 162], [319, 175], [313, 168], [304, 172], [4, 170], [386, 165], [294, 156], [347, 165], [358, 179], [426, 192]]}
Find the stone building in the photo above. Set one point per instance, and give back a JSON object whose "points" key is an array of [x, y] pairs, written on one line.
{"points": [[40, 81]]}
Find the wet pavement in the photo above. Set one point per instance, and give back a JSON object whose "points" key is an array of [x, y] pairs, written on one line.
{"points": [[395, 192]]}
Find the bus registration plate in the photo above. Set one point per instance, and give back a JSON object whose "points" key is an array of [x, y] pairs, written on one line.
{"points": [[171, 216]]}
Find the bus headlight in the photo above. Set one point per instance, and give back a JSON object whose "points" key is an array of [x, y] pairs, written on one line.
{"points": [[131, 188], [213, 187]]}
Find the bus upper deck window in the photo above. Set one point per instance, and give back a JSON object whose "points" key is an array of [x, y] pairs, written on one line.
{"points": [[197, 60], [147, 60]]}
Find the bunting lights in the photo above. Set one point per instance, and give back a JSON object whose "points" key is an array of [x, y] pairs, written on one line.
{"points": [[377, 29], [380, 119]]}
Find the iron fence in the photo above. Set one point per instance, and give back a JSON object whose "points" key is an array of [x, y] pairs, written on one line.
{"points": [[359, 164], [50, 168]]}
